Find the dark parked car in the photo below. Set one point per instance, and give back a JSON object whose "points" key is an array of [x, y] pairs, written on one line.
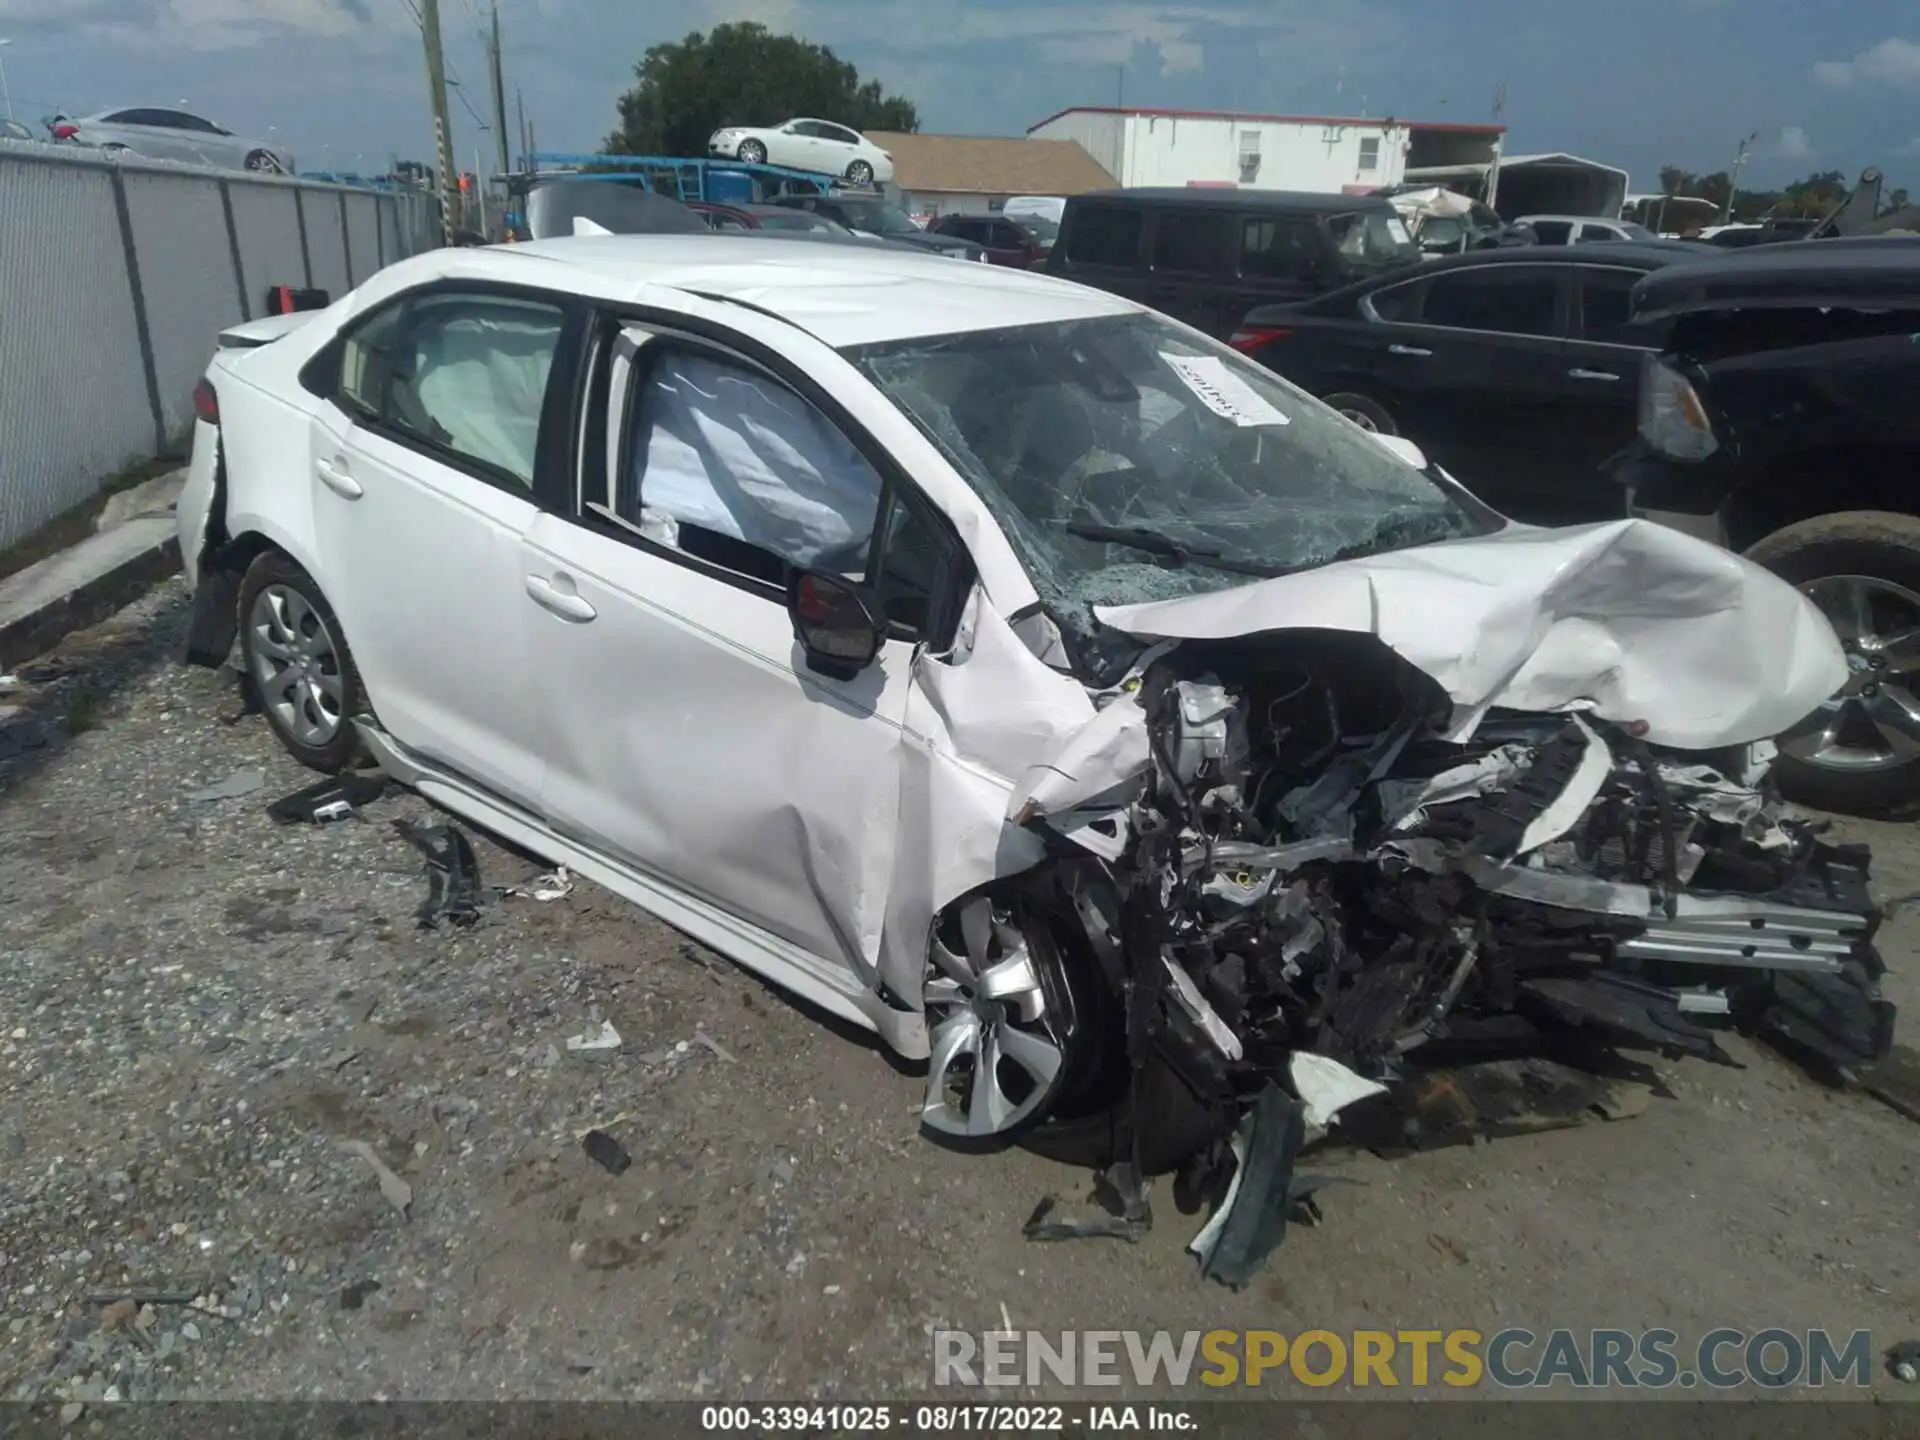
{"points": [[1019, 243], [1781, 420], [872, 216], [1208, 256], [1513, 369]]}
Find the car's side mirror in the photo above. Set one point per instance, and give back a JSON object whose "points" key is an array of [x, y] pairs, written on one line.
{"points": [[833, 624]]}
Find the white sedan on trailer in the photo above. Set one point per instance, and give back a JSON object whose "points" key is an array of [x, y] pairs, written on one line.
{"points": [[1013, 671], [816, 145]]}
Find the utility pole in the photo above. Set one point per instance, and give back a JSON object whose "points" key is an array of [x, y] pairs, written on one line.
{"points": [[520, 108], [442, 128], [500, 145], [1733, 184]]}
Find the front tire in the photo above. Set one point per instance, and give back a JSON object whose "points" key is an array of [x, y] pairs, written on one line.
{"points": [[1858, 753], [752, 152], [860, 173], [297, 663]]}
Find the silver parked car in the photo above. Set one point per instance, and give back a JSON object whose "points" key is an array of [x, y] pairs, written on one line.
{"points": [[173, 135]]}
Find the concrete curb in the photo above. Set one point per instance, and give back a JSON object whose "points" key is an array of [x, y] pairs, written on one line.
{"points": [[81, 586]]}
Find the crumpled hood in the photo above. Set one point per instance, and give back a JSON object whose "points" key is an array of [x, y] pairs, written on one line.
{"points": [[1635, 622]]}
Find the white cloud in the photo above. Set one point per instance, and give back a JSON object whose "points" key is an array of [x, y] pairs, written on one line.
{"points": [[1892, 62], [160, 25], [1793, 144]]}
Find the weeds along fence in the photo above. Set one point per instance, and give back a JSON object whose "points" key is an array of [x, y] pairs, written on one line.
{"points": [[117, 275]]}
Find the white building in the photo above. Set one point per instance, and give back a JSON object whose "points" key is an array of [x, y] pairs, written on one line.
{"points": [[1327, 154]]}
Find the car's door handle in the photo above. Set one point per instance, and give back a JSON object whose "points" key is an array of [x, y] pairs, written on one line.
{"points": [[564, 603], [1413, 350], [1578, 374], [335, 477]]}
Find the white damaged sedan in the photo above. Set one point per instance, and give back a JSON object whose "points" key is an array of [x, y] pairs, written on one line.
{"points": [[1019, 674]]}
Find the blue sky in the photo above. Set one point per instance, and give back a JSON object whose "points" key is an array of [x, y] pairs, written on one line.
{"points": [[1638, 83]]}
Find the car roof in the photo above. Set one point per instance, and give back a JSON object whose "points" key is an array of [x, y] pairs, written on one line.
{"points": [[1635, 254], [843, 294], [1800, 274], [1267, 200], [1573, 219]]}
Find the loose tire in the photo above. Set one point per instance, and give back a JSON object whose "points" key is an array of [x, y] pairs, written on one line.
{"points": [[1859, 753], [298, 665]]}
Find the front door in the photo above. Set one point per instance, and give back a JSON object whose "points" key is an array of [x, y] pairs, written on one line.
{"points": [[684, 731], [423, 470], [1601, 377]]}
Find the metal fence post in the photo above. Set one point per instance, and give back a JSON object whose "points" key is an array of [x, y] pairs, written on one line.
{"points": [[140, 326], [233, 248], [380, 232], [346, 237], [300, 214]]}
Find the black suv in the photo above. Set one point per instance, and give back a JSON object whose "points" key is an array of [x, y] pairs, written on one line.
{"points": [[1209, 256], [1782, 420]]}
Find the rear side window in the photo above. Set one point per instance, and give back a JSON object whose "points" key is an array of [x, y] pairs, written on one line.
{"points": [[1105, 235], [1279, 247], [1191, 242], [1506, 299], [466, 374], [1398, 304], [1552, 232]]}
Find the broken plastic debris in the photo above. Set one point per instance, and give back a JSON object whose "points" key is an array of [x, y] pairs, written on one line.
{"points": [[236, 786], [606, 1038], [1326, 1087], [1903, 1361], [398, 1193], [453, 874], [338, 797], [557, 884], [1119, 1190], [700, 1037], [606, 1152]]}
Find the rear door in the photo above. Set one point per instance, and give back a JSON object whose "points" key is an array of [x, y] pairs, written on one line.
{"points": [[1104, 245], [1191, 269], [1601, 377], [428, 463], [1469, 367]]}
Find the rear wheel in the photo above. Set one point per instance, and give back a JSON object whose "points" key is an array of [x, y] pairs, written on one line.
{"points": [[860, 173], [298, 664], [752, 152], [1859, 752], [1367, 414], [263, 162]]}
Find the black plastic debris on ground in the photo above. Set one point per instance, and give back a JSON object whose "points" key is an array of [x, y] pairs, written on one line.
{"points": [[1266, 1192], [606, 1152], [353, 1296], [1118, 1190], [453, 874], [338, 797]]}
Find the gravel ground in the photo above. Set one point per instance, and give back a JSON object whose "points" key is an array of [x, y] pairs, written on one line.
{"points": [[209, 1022]]}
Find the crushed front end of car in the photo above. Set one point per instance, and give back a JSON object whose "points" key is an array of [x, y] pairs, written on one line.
{"points": [[1297, 845]]}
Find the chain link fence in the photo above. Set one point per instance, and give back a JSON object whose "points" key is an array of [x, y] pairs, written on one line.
{"points": [[116, 277]]}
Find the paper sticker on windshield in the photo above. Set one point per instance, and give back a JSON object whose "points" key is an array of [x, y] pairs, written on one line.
{"points": [[1397, 228], [1223, 392]]}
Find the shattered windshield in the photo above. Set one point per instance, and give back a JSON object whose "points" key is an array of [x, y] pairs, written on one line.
{"points": [[1130, 460]]}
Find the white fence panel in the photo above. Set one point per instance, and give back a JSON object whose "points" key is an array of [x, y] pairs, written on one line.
{"points": [[186, 280]]}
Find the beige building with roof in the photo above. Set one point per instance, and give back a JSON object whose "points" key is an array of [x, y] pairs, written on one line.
{"points": [[976, 174]]}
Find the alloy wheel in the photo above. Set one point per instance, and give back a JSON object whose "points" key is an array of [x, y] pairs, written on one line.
{"points": [[1873, 723], [296, 665], [995, 1057]]}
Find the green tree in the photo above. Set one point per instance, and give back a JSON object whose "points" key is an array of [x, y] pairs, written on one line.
{"points": [[743, 74]]}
